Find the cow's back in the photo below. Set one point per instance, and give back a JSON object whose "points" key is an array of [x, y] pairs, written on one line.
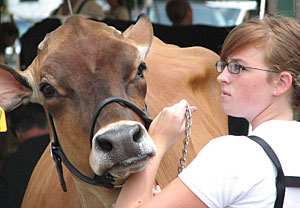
{"points": [[185, 73]]}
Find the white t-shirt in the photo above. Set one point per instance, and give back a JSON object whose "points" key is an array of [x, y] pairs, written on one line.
{"points": [[234, 171]]}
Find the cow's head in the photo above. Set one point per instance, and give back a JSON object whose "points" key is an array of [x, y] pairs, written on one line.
{"points": [[79, 65]]}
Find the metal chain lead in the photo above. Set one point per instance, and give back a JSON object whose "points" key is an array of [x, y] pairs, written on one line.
{"points": [[188, 125]]}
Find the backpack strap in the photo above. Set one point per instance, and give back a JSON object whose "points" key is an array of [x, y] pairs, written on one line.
{"points": [[280, 182]]}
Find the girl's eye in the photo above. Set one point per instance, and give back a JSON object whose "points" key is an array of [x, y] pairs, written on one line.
{"points": [[242, 67], [237, 67]]}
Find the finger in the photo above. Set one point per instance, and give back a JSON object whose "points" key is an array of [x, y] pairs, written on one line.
{"points": [[183, 102], [193, 108]]}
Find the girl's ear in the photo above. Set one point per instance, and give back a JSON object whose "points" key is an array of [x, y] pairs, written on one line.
{"points": [[283, 83]]}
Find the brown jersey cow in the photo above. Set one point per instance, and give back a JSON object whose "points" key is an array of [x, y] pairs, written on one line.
{"points": [[80, 65]]}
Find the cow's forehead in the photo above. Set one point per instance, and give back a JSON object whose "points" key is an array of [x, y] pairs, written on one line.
{"points": [[75, 27], [89, 43], [84, 52]]}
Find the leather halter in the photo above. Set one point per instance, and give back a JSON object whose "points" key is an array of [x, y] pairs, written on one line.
{"points": [[58, 155]]}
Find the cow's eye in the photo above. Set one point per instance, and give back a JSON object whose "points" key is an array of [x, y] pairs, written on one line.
{"points": [[141, 69], [47, 90]]}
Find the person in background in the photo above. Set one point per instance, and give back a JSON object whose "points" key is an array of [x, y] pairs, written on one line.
{"points": [[87, 8], [259, 70], [9, 142], [179, 12], [8, 34], [117, 10], [29, 123]]}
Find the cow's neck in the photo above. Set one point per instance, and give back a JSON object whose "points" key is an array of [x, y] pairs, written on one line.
{"points": [[95, 196]]}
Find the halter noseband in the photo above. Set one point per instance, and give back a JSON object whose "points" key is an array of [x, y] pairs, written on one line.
{"points": [[58, 155], [143, 114]]}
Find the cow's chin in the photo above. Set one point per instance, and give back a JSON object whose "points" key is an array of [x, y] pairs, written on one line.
{"points": [[132, 165], [123, 169]]}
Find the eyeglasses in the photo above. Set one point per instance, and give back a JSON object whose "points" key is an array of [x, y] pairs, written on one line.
{"points": [[235, 68]]}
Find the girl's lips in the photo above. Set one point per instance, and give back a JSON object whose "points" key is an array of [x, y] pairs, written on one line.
{"points": [[225, 94]]}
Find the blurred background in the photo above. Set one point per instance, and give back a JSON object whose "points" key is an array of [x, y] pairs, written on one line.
{"points": [[24, 23], [26, 13]]}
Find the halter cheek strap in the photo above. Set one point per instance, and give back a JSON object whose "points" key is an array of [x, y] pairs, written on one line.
{"points": [[59, 156]]}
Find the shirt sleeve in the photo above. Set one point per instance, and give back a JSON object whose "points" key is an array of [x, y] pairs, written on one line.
{"points": [[225, 172]]}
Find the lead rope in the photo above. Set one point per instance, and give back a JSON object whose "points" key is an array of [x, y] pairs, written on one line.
{"points": [[188, 125]]}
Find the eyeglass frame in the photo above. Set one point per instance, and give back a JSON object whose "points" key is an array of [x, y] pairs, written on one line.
{"points": [[241, 67]]}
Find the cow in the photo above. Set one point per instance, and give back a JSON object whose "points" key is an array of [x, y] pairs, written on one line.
{"points": [[78, 68]]}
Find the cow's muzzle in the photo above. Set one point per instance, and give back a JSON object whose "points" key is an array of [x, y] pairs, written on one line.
{"points": [[121, 148], [58, 155], [123, 142]]}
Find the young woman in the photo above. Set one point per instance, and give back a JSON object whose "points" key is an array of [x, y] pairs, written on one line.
{"points": [[260, 78]]}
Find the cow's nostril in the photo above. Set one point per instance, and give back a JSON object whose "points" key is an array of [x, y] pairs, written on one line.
{"points": [[117, 139], [104, 145], [137, 134]]}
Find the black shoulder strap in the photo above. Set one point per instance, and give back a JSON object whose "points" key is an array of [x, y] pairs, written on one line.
{"points": [[282, 181], [292, 181], [289, 181]]}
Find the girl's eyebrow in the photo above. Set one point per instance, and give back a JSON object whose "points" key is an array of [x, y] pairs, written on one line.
{"points": [[234, 59]]}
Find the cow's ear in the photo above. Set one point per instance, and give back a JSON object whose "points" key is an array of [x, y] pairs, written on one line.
{"points": [[14, 88], [142, 34]]}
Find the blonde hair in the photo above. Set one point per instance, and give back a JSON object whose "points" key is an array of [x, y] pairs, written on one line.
{"points": [[280, 36]]}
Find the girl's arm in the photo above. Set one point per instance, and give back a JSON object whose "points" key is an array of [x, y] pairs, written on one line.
{"points": [[165, 131]]}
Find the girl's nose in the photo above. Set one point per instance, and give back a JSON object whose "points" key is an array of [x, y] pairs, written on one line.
{"points": [[224, 76]]}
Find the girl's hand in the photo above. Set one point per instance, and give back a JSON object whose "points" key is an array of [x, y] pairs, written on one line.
{"points": [[169, 125]]}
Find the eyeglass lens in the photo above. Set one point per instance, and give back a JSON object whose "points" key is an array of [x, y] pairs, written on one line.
{"points": [[233, 67]]}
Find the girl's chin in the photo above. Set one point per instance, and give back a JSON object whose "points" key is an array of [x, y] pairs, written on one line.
{"points": [[230, 112]]}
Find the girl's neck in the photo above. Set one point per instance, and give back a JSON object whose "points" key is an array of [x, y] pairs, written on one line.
{"points": [[275, 113]]}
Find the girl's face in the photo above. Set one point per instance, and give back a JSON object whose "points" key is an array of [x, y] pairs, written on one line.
{"points": [[247, 94]]}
